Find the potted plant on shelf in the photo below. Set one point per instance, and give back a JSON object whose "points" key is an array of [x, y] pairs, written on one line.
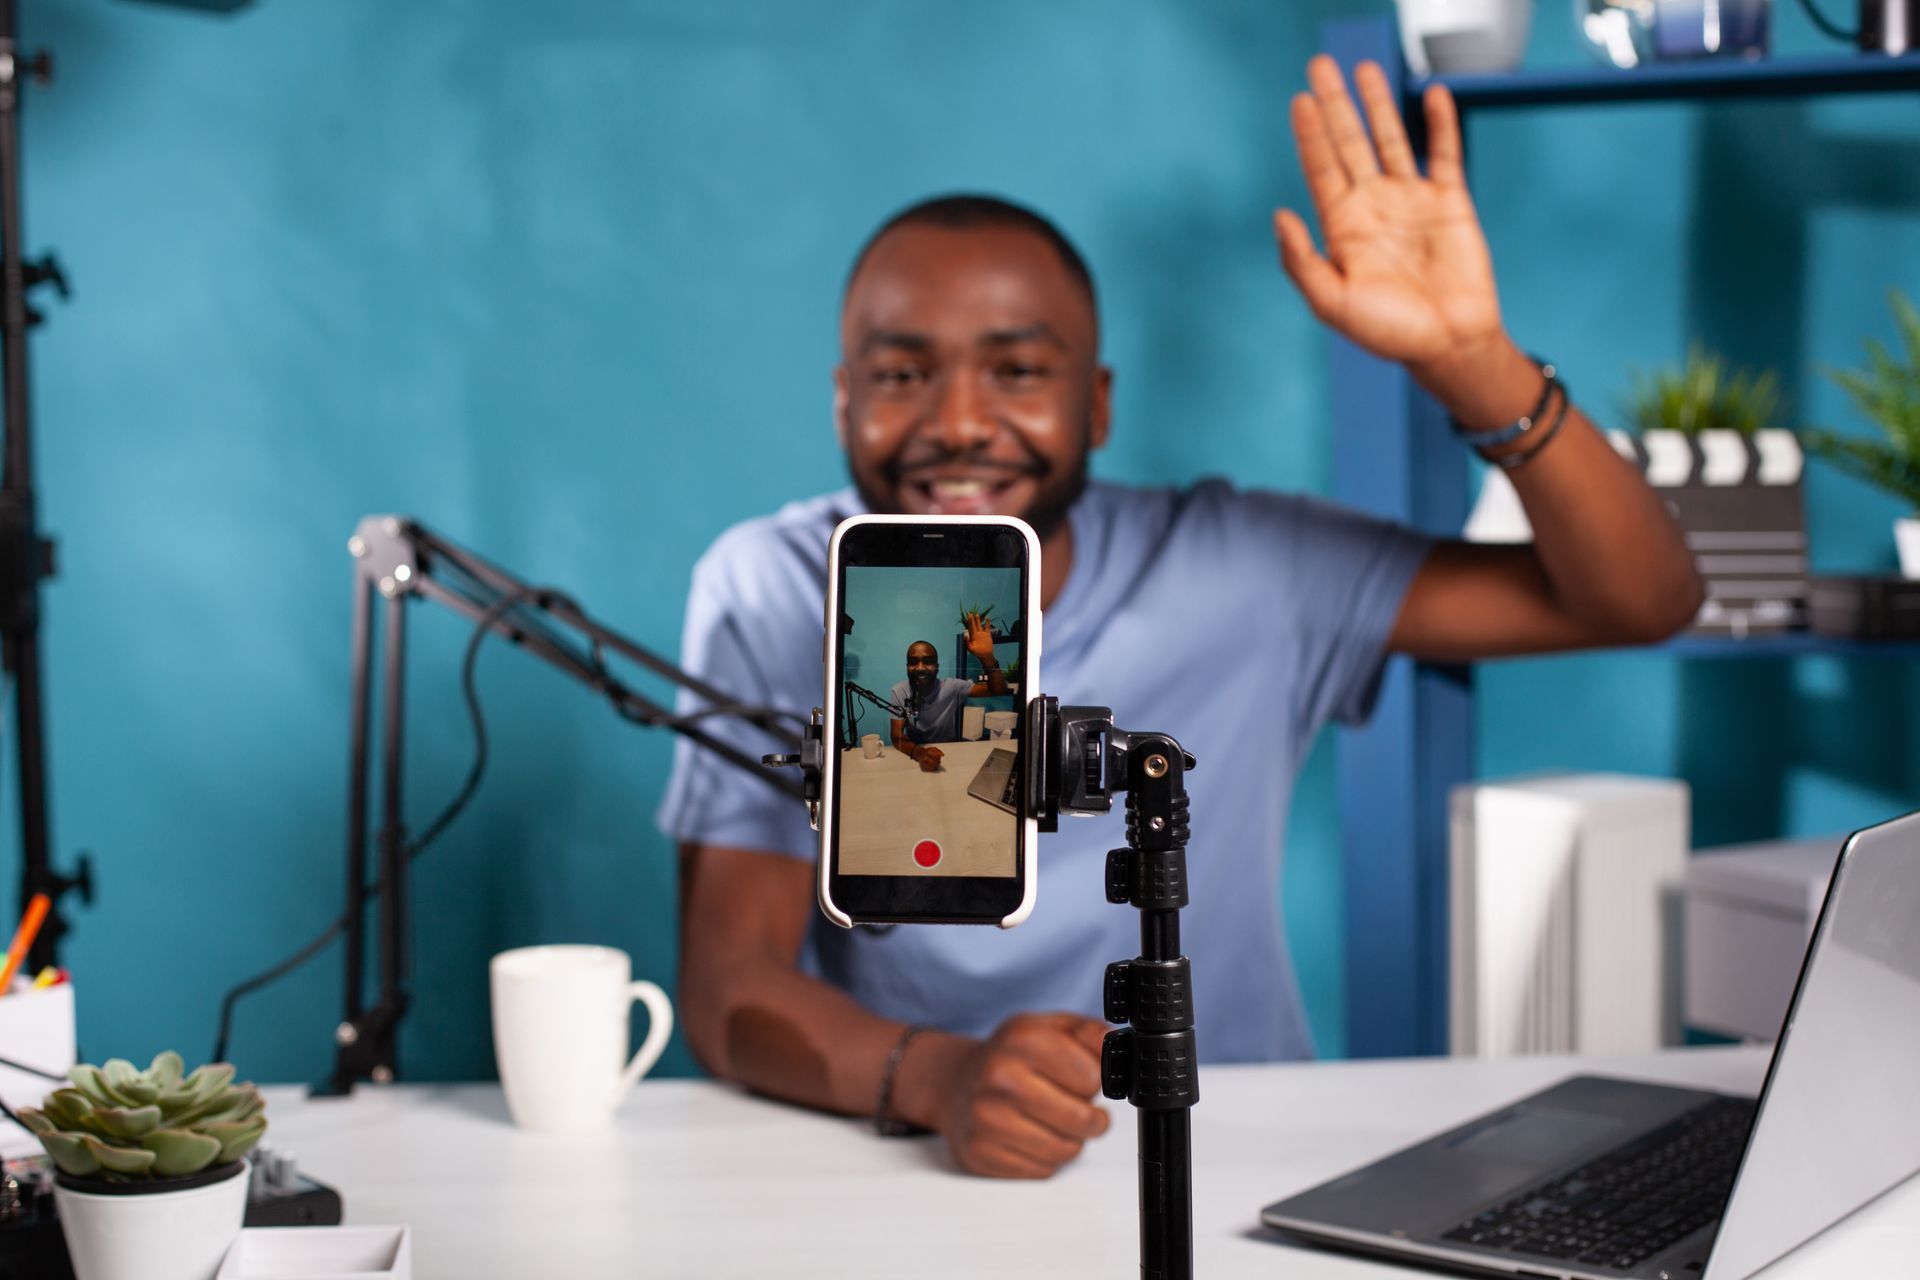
{"points": [[1709, 441], [1887, 394], [152, 1176]]}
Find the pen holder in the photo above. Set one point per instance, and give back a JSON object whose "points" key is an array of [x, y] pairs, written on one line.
{"points": [[36, 1030]]}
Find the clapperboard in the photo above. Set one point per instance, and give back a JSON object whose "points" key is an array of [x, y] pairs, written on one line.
{"points": [[1738, 500]]}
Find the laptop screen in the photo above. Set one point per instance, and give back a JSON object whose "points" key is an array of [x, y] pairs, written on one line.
{"points": [[1839, 1119]]}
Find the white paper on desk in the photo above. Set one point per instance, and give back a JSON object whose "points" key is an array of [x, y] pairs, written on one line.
{"points": [[36, 1030]]}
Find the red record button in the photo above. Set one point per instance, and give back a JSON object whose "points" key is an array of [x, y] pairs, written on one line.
{"points": [[927, 853]]}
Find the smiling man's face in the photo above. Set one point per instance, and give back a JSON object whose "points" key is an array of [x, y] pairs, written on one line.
{"points": [[970, 381], [923, 665]]}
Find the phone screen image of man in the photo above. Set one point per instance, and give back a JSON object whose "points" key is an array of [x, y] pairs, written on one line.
{"points": [[929, 770]]}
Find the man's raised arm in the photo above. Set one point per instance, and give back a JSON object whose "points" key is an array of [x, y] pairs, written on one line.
{"points": [[980, 645], [1407, 275]]}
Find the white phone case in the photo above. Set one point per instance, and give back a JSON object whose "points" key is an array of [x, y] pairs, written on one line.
{"points": [[830, 756]]}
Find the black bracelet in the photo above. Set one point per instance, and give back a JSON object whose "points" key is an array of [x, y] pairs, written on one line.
{"points": [[1498, 436], [1521, 457], [884, 1122]]}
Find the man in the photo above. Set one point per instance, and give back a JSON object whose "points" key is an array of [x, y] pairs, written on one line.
{"points": [[932, 704], [1239, 621]]}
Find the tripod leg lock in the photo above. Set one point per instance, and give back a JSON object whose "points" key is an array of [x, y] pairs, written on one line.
{"points": [[1153, 1072], [1156, 996], [1150, 879]]}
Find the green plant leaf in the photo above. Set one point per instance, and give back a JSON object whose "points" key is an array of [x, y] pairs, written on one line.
{"points": [[1703, 394], [125, 1085], [174, 1153], [116, 1159], [67, 1108], [1887, 394], [1878, 463], [237, 1139], [233, 1103], [38, 1122], [121, 1122], [210, 1079], [166, 1070], [91, 1085], [71, 1153]]}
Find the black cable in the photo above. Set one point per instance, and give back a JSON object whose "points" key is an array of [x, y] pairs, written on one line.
{"points": [[1828, 28], [603, 683], [446, 816], [279, 971], [11, 1065]]}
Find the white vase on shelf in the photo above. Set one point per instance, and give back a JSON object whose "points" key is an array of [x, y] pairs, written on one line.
{"points": [[1446, 37], [1906, 540]]}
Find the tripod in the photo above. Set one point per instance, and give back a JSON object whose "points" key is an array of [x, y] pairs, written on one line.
{"points": [[1075, 761], [26, 557]]}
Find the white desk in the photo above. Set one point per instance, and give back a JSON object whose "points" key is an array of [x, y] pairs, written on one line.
{"points": [[699, 1180], [889, 803]]}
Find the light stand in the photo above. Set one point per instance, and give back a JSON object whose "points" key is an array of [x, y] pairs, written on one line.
{"points": [[25, 556], [397, 560], [1076, 760]]}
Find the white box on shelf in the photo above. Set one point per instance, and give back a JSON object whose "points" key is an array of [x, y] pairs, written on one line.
{"points": [[1750, 911], [319, 1253], [36, 1030], [1563, 914]]}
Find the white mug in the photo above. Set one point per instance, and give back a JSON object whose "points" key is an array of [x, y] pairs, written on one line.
{"points": [[870, 745], [560, 1033]]}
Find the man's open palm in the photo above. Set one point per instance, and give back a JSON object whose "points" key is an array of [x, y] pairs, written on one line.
{"points": [[1406, 273], [979, 637]]}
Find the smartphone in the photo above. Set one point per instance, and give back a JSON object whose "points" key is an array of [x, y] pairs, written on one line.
{"points": [[933, 663]]}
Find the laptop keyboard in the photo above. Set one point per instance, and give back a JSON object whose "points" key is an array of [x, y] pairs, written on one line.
{"points": [[1617, 1211], [1010, 794]]}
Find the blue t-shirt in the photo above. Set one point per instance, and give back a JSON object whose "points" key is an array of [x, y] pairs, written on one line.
{"points": [[937, 719], [1238, 622]]}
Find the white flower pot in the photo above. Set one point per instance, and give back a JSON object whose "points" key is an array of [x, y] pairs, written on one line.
{"points": [[1906, 537], [142, 1234]]}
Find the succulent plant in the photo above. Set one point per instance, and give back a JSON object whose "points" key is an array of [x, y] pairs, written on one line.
{"points": [[1704, 394], [123, 1124]]}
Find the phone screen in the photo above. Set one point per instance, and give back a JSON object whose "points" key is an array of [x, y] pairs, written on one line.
{"points": [[928, 784]]}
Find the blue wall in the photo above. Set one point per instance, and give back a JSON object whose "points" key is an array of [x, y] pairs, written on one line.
{"points": [[893, 608], [561, 280]]}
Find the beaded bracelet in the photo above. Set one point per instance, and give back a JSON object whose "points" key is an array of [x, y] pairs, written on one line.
{"points": [[1498, 436], [1521, 457]]}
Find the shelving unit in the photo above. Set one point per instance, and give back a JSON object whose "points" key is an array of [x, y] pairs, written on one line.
{"points": [[1393, 456]]}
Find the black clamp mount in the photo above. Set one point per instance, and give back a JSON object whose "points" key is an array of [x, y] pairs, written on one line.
{"points": [[1076, 761]]}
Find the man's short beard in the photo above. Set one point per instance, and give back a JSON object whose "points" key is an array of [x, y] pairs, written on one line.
{"points": [[1050, 508], [1048, 512]]}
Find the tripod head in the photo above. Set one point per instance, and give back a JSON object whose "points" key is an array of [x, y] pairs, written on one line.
{"points": [[1076, 760]]}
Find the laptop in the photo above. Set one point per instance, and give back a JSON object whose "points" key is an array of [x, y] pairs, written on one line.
{"points": [[996, 782], [1601, 1178]]}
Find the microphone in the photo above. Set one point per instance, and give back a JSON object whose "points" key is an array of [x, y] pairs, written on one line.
{"points": [[876, 699]]}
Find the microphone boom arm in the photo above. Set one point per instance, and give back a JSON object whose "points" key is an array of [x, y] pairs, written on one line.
{"points": [[396, 559]]}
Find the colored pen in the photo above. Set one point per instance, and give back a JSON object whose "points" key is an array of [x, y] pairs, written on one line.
{"points": [[23, 938], [47, 977]]}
